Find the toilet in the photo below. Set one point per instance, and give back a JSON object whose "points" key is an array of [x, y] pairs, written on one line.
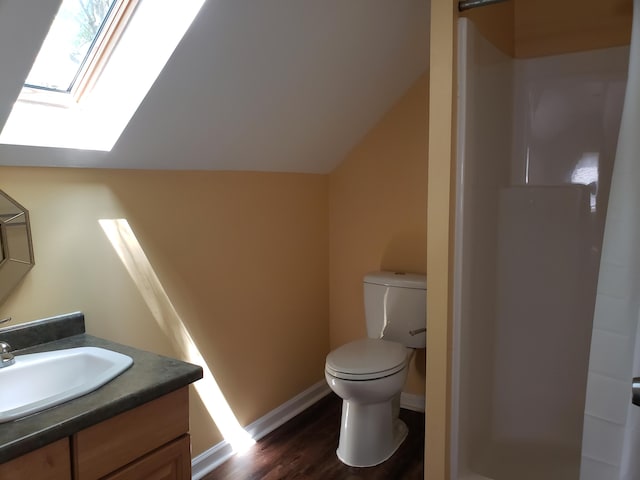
{"points": [[369, 374]]}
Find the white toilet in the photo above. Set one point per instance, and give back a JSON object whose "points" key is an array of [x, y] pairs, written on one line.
{"points": [[369, 374]]}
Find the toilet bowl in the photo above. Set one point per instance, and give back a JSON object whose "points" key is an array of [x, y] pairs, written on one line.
{"points": [[370, 430], [369, 374]]}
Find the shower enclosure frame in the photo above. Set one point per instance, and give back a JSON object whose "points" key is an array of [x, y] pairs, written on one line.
{"points": [[458, 254]]}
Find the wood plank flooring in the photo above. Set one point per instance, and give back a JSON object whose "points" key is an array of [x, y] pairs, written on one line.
{"points": [[304, 448]]}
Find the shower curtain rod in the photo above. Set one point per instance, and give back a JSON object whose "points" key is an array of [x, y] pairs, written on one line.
{"points": [[468, 4]]}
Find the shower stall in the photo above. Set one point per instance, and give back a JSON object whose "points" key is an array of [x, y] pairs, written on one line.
{"points": [[536, 146]]}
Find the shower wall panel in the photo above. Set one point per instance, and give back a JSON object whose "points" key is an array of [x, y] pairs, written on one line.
{"points": [[567, 116], [542, 329], [485, 131]]}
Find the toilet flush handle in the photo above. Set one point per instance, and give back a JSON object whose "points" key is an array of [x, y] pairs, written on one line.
{"points": [[416, 332]]}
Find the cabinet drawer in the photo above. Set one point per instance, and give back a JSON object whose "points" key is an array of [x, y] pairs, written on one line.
{"points": [[51, 462], [114, 443], [171, 462]]}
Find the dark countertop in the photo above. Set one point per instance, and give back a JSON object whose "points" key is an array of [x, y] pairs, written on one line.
{"points": [[151, 376]]}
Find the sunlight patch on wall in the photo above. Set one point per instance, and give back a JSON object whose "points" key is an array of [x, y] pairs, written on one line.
{"points": [[135, 261]]}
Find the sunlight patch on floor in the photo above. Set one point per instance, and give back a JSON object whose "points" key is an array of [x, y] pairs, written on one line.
{"points": [[134, 259]]}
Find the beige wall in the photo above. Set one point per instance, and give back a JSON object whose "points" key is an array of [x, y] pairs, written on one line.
{"points": [[496, 23], [536, 28], [550, 27], [378, 202], [243, 258], [440, 213]]}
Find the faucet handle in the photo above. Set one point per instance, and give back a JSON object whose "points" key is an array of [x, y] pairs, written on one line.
{"points": [[5, 347], [413, 333]]}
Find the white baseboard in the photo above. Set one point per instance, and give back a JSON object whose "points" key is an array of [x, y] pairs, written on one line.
{"points": [[218, 454], [210, 459], [413, 402]]}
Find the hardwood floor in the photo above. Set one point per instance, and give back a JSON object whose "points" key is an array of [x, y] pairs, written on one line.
{"points": [[304, 448]]}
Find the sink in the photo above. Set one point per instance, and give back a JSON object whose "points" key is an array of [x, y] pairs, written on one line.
{"points": [[38, 381]]}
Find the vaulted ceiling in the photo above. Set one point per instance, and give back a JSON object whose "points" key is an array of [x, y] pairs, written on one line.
{"points": [[268, 85]]}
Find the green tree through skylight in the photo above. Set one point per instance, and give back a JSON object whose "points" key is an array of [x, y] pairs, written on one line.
{"points": [[68, 44], [90, 17]]}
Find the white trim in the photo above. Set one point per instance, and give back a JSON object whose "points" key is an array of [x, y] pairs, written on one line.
{"points": [[218, 454], [207, 461], [458, 252], [285, 412], [410, 401]]}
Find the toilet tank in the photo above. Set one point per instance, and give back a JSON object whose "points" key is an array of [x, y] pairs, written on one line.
{"points": [[395, 305]]}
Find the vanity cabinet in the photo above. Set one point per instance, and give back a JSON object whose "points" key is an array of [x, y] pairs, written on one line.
{"points": [[171, 462], [147, 442], [134, 427], [50, 462]]}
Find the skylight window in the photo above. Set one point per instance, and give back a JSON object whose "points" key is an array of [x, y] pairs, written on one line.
{"points": [[95, 67], [73, 41]]}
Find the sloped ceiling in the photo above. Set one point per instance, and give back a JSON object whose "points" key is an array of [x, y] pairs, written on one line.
{"points": [[267, 85]]}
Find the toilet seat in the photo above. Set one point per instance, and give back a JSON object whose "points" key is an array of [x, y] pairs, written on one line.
{"points": [[366, 359]]}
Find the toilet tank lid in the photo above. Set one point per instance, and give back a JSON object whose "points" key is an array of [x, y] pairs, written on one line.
{"points": [[397, 279]]}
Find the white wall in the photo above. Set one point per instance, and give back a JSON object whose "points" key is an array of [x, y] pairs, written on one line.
{"points": [[266, 86]]}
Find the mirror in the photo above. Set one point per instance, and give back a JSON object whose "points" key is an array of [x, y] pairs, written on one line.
{"points": [[16, 250]]}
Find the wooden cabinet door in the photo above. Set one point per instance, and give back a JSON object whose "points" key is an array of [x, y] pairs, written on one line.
{"points": [[51, 462], [110, 445], [171, 462]]}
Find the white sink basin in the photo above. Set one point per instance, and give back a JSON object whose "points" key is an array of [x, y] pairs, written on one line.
{"points": [[38, 381]]}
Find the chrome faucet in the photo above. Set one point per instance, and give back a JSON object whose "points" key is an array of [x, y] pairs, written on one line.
{"points": [[6, 357]]}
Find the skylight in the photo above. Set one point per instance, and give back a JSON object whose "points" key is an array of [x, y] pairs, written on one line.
{"points": [[95, 67], [74, 38]]}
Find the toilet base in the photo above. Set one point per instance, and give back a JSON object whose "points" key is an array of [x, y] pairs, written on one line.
{"points": [[369, 433]]}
